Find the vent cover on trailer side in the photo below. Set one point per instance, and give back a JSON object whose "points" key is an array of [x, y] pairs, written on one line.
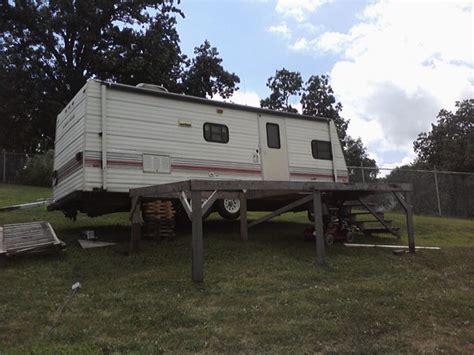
{"points": [[156, 163]]}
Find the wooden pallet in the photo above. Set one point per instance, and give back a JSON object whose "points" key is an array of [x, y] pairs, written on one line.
{"points": [[159, 218]]}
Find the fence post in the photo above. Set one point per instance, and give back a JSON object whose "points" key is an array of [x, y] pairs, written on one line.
{"points": [[362, 171], [437, 190], [4, 165]]}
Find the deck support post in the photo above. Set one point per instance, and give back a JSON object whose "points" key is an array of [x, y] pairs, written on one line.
{"points": [[406, 203], [197, 240], [243, 216], [318, 227], [135, 218], [410, 227]]}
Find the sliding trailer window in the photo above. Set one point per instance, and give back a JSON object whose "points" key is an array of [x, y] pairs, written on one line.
{"points": [[321, 150], [217, 133]]}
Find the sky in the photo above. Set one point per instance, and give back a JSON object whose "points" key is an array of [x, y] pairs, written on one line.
{"points": [[393, 63]]}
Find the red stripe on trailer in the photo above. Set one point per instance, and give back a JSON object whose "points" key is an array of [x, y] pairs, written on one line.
{"points": [[98, 163], [318, 175], [216, 168]]}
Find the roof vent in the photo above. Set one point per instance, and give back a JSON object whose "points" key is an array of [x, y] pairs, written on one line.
{"points": [[152, 87]]}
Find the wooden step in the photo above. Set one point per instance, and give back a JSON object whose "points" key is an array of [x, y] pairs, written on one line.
{"points": [[369, 224], [379, 230], [355, 214], [358, 204]]}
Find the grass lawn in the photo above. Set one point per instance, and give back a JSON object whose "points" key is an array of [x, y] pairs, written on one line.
{"points": [[265, 295]]}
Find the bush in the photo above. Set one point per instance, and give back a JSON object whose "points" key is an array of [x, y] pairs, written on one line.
{"points": [[38, 170]]}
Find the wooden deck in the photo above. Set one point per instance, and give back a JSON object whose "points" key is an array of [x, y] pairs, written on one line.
{"points": [[302, 192]]}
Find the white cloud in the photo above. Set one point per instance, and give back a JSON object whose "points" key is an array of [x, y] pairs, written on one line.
{"points": [[298, 9], [281, 29], [249, 98], [326, 42], [399, 66], [301, 44]]}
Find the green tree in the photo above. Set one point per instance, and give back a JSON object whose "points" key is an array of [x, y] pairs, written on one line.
{"points": [[450, 143], [206, 76], [318, 100], [356, 155], [50, 48], [283, 86]]}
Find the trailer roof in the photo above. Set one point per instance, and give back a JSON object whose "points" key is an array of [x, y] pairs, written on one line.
{"points": [[210, 102]]}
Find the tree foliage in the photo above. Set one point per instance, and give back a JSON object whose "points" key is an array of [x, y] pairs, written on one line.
{"points": [[450, 143], [356, 155], [317, 99], [283, 86], [206, 75], [50, 48]]}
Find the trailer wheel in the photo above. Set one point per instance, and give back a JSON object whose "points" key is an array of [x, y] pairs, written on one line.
{"points": [[229, 208], [329, 239]]}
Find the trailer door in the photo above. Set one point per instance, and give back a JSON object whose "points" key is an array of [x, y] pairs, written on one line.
{"points": [[273, 148]]}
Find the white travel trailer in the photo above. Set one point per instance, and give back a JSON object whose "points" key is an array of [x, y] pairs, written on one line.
{"points": [[113, 137]]}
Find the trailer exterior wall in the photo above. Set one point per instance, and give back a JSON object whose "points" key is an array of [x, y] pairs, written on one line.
{"points": [[138, 124], [68, 164]]}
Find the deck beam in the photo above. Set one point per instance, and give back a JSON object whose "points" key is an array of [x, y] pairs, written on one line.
{"points": [[282, 210]]}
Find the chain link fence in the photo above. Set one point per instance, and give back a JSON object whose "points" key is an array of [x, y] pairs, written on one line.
{"points": [[442, 193], [11, 166]]}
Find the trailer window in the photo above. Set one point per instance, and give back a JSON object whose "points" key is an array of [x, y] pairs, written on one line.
{"points": [[273, 135], [321, 150], [217, 133]]}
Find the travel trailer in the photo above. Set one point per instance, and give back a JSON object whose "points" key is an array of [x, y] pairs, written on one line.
{"points": [[114, 137]]}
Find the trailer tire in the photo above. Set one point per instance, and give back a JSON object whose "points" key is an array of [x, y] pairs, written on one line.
{"points": [[329, 239], [229, 208]]}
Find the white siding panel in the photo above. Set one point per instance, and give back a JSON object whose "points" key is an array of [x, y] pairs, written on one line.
{"points": [[138, 123], [72, 183], [300, 133], [143, 123], [93, 178], [69, 141], [121, 180]]}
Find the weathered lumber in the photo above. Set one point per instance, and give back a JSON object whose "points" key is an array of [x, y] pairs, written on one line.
{"points": [[318, 227], [381, 220], [157, 190], [209, 202], [210, 185], [254, 195], [282, 210], [26, 205], [243, 216], [135, 216], [408, 207], [186, 206], [197, 240], [386, 246]]}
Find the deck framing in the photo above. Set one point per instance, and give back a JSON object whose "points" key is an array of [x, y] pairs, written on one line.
{"points": [[248, 189]]}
